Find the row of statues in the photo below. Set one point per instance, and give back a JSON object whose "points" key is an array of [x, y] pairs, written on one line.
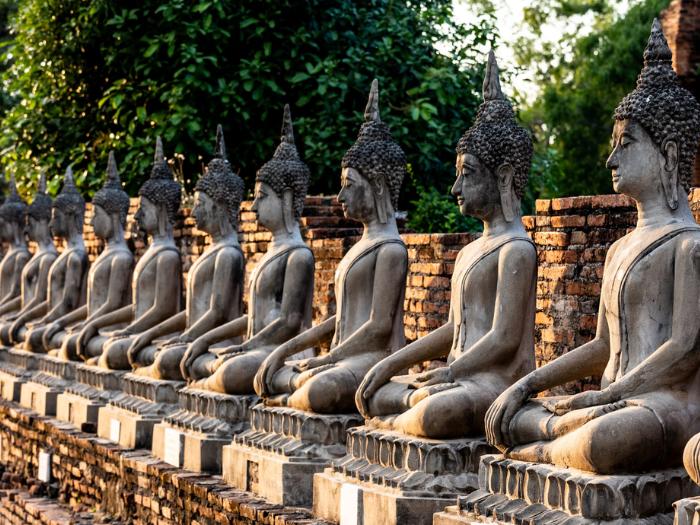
{"points": [[115, 315]]}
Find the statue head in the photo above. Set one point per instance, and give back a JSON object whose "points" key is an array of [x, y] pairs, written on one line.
{"points": [[13, 213], [68, 211], [160, 196], [657, 128], [218, 193], [39, 213], [373, 168], [281, 183], [110, 203], [493, 156]]}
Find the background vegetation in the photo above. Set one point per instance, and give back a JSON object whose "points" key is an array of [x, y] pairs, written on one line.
{"points": [[81, 77]]}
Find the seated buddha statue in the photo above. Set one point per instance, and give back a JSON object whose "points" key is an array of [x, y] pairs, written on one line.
{"points": [[109, 276], [488, 338], [67, 275], [214, 293], [35, 274], [155, 284], [646, 345], [12, 230], [369, 285], [281, 286]]}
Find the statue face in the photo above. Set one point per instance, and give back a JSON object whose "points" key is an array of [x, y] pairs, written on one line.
{"points": [[147, 215], [101, 222], [59, 223], [33, 228], [635, 161], [475, 188], [268, 207], [356, 195], [205, 212]]}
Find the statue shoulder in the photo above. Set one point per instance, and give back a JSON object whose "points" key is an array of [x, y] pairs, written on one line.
{"points": [[301, 255], [393, 252], [229, 253], [520, 252]]}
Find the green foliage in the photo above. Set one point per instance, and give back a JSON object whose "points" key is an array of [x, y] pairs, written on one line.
{"points": [[88, 76], [435, 211], [582, 79]]}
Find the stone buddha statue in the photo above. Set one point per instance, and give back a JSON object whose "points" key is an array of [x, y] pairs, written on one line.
{"points": [[646, 345], [109, 276], [34, 277], [12, 229], [67, 275], [156, 280], [214, 293], [488, 338], [369, 285], [281, 287]]}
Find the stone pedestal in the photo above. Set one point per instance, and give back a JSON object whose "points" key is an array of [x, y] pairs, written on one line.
{"points": [[530, 493], [16, 366], [392, 478], [93, 388], [129, 418], [687, 511], [40, 392], [283, 449], [193, 436]]}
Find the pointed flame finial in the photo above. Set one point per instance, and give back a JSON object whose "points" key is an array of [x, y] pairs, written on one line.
{"points": [[657, 50], [287, 128], [41, 188], [492, 84], [158, 157], [372, 109], [13, 184], [113, 180], [68, 181], [220, 148]]}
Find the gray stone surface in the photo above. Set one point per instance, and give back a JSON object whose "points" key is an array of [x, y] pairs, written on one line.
{"points": [[687, 511], [41, 390]]}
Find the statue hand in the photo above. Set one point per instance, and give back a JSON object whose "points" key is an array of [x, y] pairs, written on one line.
{"points": [[501, 412], [262, 383], [228, 351], [312, 362], [138, 344], [377, 377], [195, 349], [16, 326], [589, 398], [88, 332], [433, 377], [50, 330], [119, 334]]}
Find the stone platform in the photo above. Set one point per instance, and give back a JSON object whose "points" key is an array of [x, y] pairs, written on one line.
{"points": [[93, 388], [194, 436], [392, 478], [16, 366], [528, 493], [41, 390], [129, 418], [283, 449]]}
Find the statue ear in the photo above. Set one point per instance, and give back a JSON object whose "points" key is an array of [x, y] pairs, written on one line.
{"points": [[669, 173], [505, 174], [380, 201], [288, 209]]}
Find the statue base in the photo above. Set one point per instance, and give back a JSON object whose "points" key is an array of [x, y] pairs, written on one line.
{"points": [[194, 436], [388, 477], [530, 493], [16, 367], [278, 457], [82, 400], [687, 511], [129, 418], [41, 390]]}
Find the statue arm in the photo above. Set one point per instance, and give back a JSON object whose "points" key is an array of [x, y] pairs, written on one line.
{"points": [[119, 277], [42, 286], [229, 330], [298, 273], [226, 276], [122, 315], [16, 288], [517, 269], [389, 279], [678, 358], [11, 306], [72, 288], [167, 299], [72, 317]]}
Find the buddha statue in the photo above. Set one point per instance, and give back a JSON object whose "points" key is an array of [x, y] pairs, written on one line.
{"points": [[67, 275], [12, 229], [109, 276], [34, 277], [369, 285], [488, 338], [214, 294], [646, 343], [281, 287], [155, 284]]}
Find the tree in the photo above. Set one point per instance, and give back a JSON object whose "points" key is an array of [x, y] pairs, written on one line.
{"points": [[581, 79], [90, 76]]}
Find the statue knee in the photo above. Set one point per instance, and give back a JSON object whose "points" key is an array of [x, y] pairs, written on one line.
{"points": [[33, 340], [322, 394], [114, 356]]}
